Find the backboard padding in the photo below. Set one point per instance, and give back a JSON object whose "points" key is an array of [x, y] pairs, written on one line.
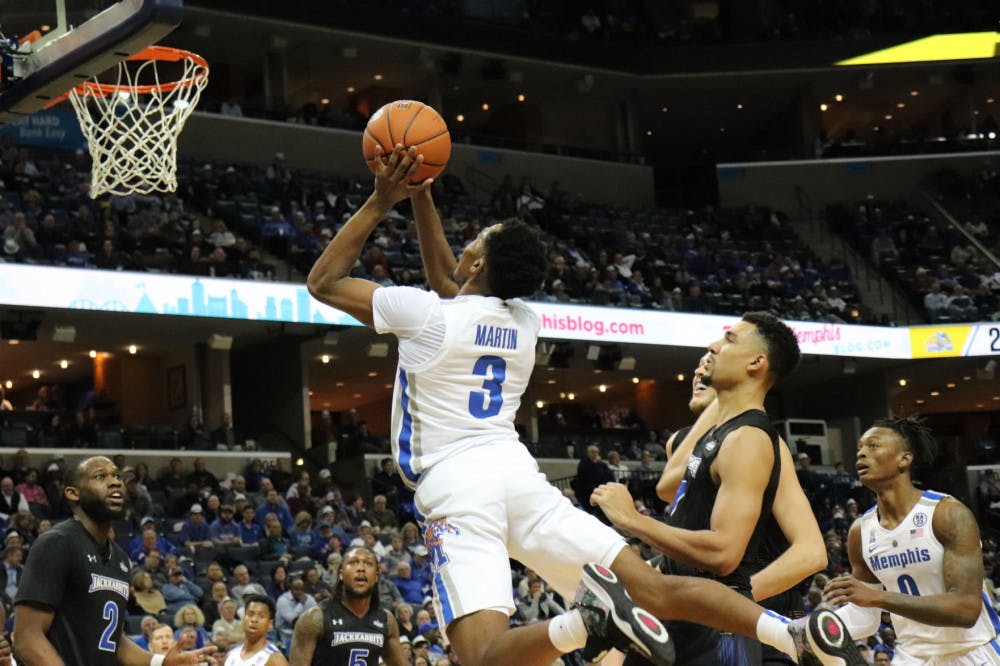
{"points": [[93, 47]]}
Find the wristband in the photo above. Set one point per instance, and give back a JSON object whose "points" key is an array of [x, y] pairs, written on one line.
{"points": [[157, 660]]}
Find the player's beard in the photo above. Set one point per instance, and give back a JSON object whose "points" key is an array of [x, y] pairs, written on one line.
{"points": [[350, 593], [98, 509]]}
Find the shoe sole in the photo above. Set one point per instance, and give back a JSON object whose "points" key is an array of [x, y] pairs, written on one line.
{"points": [[830, 641], [645, 632]]}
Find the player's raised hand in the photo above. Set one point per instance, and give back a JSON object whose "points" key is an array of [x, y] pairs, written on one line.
{"points": [[204, 656], [616, 502], [392, 179]]}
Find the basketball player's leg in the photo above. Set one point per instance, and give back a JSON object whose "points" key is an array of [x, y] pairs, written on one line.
{"points": [[483, 639], [465, 530]]}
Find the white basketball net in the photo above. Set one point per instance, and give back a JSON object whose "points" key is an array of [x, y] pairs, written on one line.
{"points": [[132, 126]]}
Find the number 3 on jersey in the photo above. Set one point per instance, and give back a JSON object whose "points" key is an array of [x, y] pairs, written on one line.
{"points": [[494, 369]]}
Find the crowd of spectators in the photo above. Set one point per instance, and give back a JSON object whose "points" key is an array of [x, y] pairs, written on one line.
{"points": [[947, 277], [651, 23], [228, 221]]}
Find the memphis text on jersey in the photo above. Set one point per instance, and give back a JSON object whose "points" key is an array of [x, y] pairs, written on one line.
{"points": [[900, 559], [345, 637], [99, 583], [498, 337]]}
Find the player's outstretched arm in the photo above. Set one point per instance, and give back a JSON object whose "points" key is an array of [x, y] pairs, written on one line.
{"points": [[435, 252], [31, 647], [955, 527], [806, 552], [308, 630], [744, 467], [394, 655], [130, 654], [328, 281], [678, 453]]}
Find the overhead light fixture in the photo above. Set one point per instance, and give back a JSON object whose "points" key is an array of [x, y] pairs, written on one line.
{"points": [[350, 89], [325, 101], [952, 384], [935, 394], [64, 333], [357, 395], [9, 384], [551, 381], [520, 98], [902, 382], [486, 107], [603, 388], [838, 97], [132, 349], [64, 364], [92, 353], [220, 342], [377, 77], [460, 118], [36, 373], [571, 396], [920, 401], [325, 358], [539, 404], [635, 380], [373, 374]]}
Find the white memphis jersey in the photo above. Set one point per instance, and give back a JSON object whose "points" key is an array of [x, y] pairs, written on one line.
{"points": [[259, 658], [909, 559], [467, 392]]}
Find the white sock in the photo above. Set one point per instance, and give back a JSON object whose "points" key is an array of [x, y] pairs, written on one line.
{"points": [[772, 629], [567, 631]]}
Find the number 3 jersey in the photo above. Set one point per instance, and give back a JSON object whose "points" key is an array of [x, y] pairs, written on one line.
{"points": [[464, 364], [909, 559]]}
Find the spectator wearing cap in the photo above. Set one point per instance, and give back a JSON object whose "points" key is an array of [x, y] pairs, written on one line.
{"points": [[195, 532], [421, 648], [404, 642], [365, 530], [137, 498], [250, 531], [224, 531], [179, 591], [432, 633], [411, 588], [421, 565], [381, 516]]}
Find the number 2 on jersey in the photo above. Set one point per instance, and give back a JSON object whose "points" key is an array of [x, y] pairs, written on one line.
{"points": [[494, 369], [111, 615]]}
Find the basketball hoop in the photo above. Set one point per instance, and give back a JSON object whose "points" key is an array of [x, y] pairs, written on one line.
{"points": [[132, 125]]}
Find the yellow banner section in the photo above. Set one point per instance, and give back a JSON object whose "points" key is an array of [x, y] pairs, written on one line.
{"points": [[960, 46], [938, 341]]}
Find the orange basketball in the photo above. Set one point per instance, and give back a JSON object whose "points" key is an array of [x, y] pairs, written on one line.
{"points": [[411, 124]]}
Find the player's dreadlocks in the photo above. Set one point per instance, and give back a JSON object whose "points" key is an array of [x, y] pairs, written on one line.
{"points": [[916, 437]]}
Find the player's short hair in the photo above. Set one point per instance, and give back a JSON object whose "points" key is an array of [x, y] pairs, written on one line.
{"points": [[917, 438], [516, 263], [260, 599], [782, 346]]}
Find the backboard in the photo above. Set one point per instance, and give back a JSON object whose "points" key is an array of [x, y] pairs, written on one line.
{"points": [[35, 73]]}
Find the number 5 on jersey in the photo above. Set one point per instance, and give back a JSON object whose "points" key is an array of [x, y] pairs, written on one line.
{"points": [[484, 405]]}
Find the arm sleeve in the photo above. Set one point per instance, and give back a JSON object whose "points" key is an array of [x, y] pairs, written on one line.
{"points": [[46, 572], [403, 311]]}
